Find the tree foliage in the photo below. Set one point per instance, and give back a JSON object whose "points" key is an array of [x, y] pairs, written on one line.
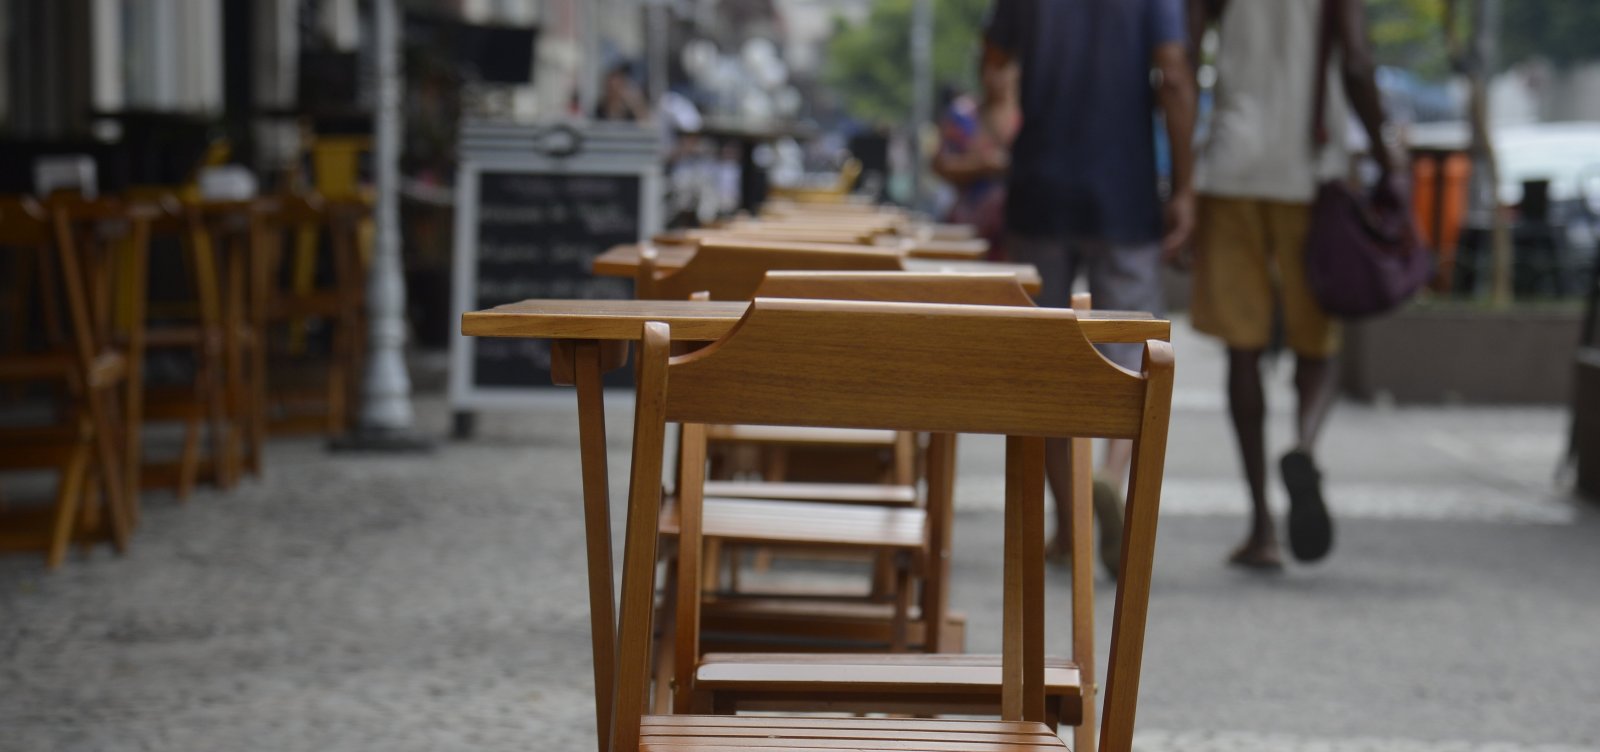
{"points": [[1562, 31], [1410, 34], [869, 64]]}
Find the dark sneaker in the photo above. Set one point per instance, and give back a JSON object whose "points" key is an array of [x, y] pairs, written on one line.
{"points": [[1108, 508], [1310, 528]]}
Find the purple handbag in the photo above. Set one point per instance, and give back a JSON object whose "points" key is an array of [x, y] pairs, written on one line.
{"points": [[1363, 256], [1362, 253]]}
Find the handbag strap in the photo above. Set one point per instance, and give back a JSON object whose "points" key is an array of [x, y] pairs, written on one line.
{"points": [[1327, 29]]}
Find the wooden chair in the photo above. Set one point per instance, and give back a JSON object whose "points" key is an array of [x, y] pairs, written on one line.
{"points": [[1026, 374], [191, 328], [222, 331], [732, 269], [95, 272], [236, 230], [947, 683], [308, 394]]}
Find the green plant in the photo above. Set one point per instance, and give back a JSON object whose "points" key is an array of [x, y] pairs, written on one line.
{"points": [[869, 64]]}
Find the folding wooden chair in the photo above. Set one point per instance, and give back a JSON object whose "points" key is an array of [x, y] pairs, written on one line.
{"points": [[95, 272], [949, 683], [854, 465], [732, 269], [1023, 373], [238, 230], [306, 393], [191, 328]]}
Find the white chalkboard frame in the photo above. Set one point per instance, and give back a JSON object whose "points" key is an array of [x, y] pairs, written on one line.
{"points": [[464, 394]]}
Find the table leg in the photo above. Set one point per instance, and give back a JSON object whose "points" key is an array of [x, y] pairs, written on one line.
{"points": [[587, 372]]}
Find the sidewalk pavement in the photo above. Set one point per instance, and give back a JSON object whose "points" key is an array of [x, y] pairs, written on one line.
{"points": [[438, 603]]}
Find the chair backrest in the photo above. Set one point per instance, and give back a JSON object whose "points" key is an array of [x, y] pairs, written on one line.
{"points": [[1020, 372], [732, 268], [978, 288]]}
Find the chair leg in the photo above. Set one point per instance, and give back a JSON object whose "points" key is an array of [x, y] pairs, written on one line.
{"points": [[69, 494], [899, 640], [218, 428], [336, 420], [667, 639], [258, 406], [189, 456], [883, 576], [713, 567], [108, 460]]}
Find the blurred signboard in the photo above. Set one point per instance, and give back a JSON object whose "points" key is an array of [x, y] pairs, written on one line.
{"points": [[534, 206]]}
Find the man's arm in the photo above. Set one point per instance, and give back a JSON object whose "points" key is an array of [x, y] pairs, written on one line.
{"points": [[1360, 78], [1176, 97]]}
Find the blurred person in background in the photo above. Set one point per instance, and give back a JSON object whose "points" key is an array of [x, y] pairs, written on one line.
{"points": [[1082, 192], [1258, 173], [975, 151], [620, 97]]}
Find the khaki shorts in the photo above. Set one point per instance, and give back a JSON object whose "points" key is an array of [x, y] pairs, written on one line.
{"points": [[1250, 264]]}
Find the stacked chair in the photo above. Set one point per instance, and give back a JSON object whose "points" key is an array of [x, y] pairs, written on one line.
{"points": [[840, 652], [79, 357], [935, 368], [243, 282], [316, 286]]}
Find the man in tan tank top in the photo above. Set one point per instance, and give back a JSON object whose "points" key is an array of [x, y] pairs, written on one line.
{"points": [[1257, 174]]}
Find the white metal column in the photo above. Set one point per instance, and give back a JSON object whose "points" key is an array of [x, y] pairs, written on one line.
{"points": [[386, 415]]}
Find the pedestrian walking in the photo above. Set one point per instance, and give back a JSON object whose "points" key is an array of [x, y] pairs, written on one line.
{"points": [[1257, 175], [1082, 193], [975, 153]]}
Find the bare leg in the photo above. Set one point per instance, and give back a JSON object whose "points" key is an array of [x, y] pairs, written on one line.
{"points": [[1247, 404], [1114, 470], [1316, 381]]}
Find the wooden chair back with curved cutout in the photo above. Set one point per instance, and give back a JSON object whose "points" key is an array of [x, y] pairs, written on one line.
{"points": [[732, 268], [1024, 373], [980, 288]]}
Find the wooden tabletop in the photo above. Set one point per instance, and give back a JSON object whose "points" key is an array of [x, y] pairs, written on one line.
{"points": [[708, 320], [623, 261]]}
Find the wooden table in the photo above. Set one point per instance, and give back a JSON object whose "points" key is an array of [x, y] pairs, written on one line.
{"points": [[590, 337], [623, 261]]}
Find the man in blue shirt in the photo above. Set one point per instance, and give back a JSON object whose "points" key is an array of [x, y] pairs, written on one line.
{"points": [[1083, 194]]}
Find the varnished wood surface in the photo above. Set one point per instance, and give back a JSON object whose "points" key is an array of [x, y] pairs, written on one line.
{"points": [[726, 733], [884, 494], [988, 288], [1007, 369], [623, 261], [810, 523], [903, 673], [703, 321], [798, 436]]}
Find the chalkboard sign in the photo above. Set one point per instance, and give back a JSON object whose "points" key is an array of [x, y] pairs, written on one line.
{"points": [[529, 226]]}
